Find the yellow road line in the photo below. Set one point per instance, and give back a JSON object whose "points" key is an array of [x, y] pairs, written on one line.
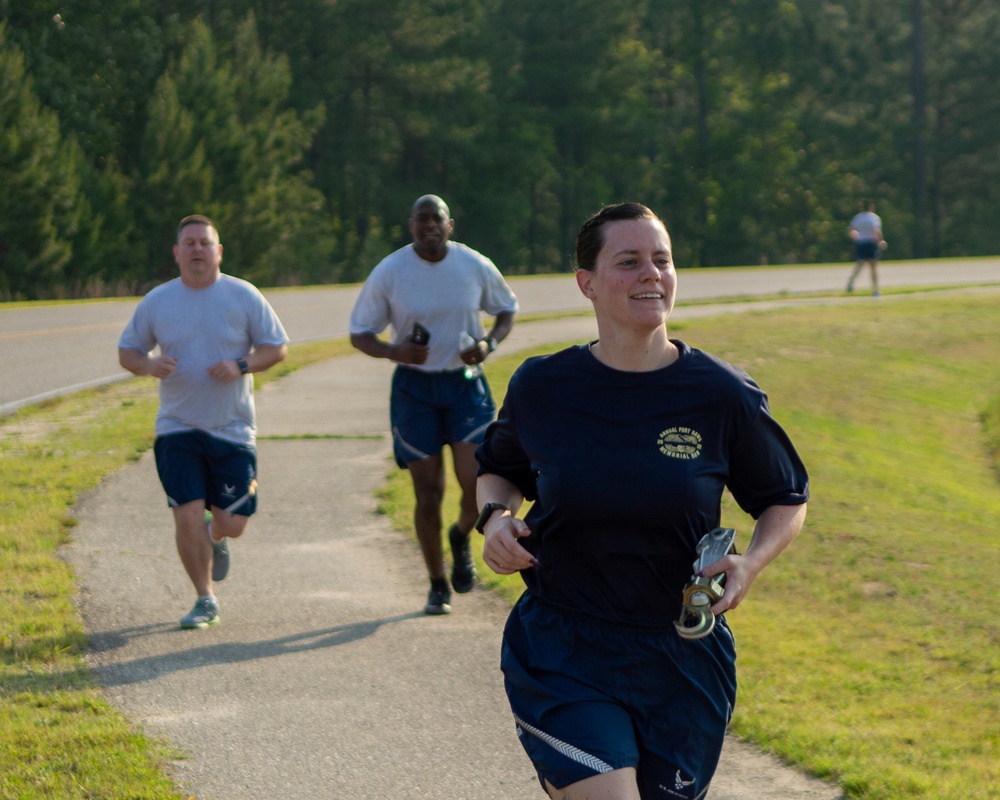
{"points": [[74, 329]]}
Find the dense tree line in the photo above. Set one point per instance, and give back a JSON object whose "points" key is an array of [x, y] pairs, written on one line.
{"points": [[754, 127]]}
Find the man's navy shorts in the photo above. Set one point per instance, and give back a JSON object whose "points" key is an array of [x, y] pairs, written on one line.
{"points": [[431, 409], [590, 697], [194, 465], [866, 251]]}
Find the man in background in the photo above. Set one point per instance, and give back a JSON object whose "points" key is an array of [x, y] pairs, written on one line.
{"points": [[432, 293], [212, 330]]}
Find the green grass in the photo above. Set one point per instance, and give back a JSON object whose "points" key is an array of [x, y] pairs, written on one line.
{"points": [[869, 652]]}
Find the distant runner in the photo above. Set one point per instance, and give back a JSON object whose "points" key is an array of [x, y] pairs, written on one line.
{"points": [[866, 231]]}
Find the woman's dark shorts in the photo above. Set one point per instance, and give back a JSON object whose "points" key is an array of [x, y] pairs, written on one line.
{"points": [[590, 697]]}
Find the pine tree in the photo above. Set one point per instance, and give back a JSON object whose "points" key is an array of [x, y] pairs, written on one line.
{"points": [[221, 141], [39, 175]]}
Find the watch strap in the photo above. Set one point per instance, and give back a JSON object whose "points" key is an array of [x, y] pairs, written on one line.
{"points": [[488, 511]]}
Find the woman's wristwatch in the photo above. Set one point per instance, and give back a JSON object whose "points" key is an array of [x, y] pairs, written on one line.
{"points": [[488, 511]]}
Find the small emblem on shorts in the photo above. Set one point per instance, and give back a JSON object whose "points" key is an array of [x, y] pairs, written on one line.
{"points": [[680, 783], [682, 443], [227, 489]]}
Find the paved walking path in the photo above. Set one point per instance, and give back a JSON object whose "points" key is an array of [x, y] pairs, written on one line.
{"points": [[324, 679]]}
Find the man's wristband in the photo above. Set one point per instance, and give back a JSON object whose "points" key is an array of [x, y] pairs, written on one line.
{"points": [[243, 365]]}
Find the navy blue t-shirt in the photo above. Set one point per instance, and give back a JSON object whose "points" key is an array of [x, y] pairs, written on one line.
{"points": [[627, 471]]}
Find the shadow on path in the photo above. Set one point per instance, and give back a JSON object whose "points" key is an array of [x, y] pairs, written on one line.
{"points": [[151, 667]]}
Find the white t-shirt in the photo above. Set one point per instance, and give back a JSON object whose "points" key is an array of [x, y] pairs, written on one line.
{"points": [[868, 226], [200, 327], [446, 297]]}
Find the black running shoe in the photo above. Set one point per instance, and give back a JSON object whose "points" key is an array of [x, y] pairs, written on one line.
{"points": [[438, 601], [463, 570]]}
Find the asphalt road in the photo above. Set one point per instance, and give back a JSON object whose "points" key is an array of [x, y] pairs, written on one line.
{"points": [[47, 350]]}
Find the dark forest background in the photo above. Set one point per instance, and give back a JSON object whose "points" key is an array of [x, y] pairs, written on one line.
{"points": [[307, 128]]}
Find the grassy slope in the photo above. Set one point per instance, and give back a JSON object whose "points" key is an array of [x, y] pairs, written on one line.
{"points": [[867, 651]]}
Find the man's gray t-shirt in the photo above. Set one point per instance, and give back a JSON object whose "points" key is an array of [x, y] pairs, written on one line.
{"points": [[445, 296], [200, 327]]}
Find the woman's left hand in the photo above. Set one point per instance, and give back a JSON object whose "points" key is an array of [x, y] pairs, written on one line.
{"points": [[775, 529], [740, 575]]}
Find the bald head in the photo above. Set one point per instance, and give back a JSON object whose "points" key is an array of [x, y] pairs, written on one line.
{"points": [[431, 199], [431, 226]]}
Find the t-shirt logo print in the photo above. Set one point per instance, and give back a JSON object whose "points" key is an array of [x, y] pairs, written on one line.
{"points": [[682, 443]]}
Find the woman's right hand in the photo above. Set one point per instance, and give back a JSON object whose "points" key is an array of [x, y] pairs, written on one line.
{"points": [[501, 551]]}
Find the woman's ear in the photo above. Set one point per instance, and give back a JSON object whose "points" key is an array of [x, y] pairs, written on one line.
{"points": [[583, 280]]}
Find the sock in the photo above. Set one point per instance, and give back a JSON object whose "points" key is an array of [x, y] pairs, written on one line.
{"points": [[439, 584]]}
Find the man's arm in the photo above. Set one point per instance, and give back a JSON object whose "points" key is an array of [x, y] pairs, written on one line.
{"points": [[263, 357], [403, 353], [478, 352], [502, 325], [139, 363]]}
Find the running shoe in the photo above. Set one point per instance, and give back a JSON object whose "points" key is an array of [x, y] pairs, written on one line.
{"points": [[438, 601], [463, 570], [204, 613], [220, 552]]}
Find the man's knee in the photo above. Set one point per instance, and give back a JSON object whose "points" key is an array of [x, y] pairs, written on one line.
{"points": [[428, 501], [186, 512], [428, 480]]}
